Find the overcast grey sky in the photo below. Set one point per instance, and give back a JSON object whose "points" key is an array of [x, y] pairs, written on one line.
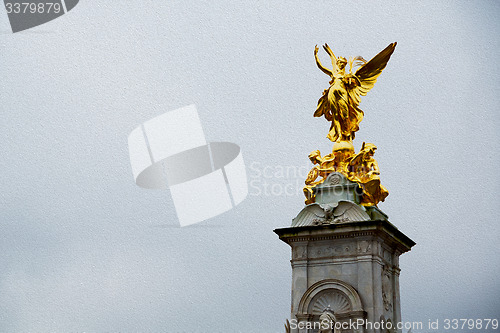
{"points": [[85, 249]]}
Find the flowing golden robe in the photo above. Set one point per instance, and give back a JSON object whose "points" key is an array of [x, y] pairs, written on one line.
{"points": [[338, 108]]}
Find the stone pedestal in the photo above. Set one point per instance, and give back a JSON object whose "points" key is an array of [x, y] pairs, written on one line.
{"points": [[346, 258]]}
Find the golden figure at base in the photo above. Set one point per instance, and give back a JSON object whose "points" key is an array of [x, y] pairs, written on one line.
{"points": [[337, 161], [316, 171], [339, 103], [361, 168], [364, 171]]}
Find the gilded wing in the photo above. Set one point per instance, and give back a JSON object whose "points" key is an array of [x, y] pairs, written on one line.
{"points": [[357, 61], [369, 72]]}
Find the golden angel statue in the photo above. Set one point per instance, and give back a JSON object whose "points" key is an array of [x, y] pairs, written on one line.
{"points": [[340, 102]]}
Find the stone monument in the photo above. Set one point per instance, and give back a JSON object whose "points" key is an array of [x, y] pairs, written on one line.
{"points": [[345, 252]]}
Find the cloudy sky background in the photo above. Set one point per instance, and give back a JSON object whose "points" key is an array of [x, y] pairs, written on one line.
{"points": [[84, 249]]}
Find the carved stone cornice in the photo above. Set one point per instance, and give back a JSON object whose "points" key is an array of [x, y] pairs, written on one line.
{"points": [[382, 229]]}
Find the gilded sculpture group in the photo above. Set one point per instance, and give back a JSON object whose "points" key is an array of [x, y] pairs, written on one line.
{"points": [[340, 105]]}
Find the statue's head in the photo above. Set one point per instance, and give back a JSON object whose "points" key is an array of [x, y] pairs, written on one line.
{"points": [[368, 148], [314, 157], [341, 62]]}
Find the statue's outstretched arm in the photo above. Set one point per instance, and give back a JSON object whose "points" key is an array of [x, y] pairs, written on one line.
{"points": [[320, 66]]}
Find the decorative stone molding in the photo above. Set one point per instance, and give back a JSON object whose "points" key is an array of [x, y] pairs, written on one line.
{"points": [[332, 298], [336, 188], [387, 233], [346, 297], [364, 247], [334, 213], [387, 292]]}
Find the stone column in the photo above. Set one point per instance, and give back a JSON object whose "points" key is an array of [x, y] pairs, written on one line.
{"points": [[352, 267]]}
